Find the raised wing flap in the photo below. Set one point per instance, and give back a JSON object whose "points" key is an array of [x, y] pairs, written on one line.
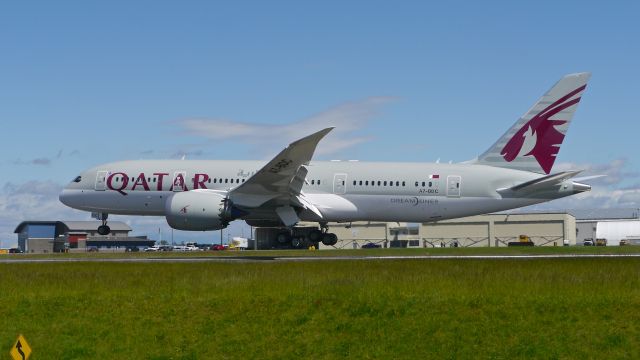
{"points": [[282, 176], [541, 183]]}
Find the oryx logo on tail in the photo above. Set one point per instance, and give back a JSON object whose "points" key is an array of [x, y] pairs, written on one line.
{"points": [[539, 137]]}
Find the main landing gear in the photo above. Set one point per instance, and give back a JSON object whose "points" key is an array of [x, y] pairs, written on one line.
{"points": [[104, 229], [296, 237], [327, 238]]}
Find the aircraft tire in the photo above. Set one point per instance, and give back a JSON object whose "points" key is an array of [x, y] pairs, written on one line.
{"points": [[315, 236], [104, 230], [283, 237], [296, 242], [330, 239]]}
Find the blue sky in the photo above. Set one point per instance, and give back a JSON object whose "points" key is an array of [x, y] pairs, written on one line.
{"points": [[82, 83]]}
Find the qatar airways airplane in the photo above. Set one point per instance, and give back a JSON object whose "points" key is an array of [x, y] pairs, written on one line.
{"points": [[204, 195]]}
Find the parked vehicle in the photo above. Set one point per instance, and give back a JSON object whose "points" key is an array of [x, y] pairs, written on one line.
{"points": [[217, 247], [371, 246], [15, 251], [523, 240], [153, 248], [587, 242]]}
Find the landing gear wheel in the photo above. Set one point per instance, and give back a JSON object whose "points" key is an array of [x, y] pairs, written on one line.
{"points": [[283, 237], [315, 236], [104, 230], [296, 242], [330, 239]]}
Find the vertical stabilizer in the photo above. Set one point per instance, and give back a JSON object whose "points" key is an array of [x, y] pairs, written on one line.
{"points": [[534, 141]]}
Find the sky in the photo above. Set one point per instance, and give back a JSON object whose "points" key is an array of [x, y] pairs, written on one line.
{"points": [[84, 83]]}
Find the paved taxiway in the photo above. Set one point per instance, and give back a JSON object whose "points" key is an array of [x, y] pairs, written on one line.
{"points": [[311, 258]]}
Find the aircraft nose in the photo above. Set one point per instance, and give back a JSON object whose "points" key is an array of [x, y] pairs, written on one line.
{"points": [[65, 196]]}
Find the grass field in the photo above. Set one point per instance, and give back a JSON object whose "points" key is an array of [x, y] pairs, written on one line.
{"points": [[558, 308], [539, 250]]}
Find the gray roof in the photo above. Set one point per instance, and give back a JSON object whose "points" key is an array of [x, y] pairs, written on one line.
{"points": [[605, 214], [590, 214], [93, 225], [75, 226]]}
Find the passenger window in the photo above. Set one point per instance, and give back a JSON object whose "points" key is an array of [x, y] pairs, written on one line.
{"points": [[416, 184], [403, 184], [366, 183], [390, 183], [385, 183], [378, 182], [430, 183], [423, 184], [354, 183], [226, 181], [215, 180], [360, 182], [313, 182], [397, 183], [319, 182]]}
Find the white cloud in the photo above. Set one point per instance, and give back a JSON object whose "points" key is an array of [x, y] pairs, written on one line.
{"points": [[347, 118], [615, 171], [38, 200]]}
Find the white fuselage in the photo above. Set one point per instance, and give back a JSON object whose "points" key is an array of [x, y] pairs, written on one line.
{"points": [[342, 191]]}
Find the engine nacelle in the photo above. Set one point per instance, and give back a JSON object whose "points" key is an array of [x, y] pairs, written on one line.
{"points": [[196, 211]]}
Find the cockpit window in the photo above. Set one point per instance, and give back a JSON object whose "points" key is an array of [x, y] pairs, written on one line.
{"points": [[77, 179]]}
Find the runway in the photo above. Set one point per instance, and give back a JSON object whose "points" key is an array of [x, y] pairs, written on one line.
{"points": [[236, 259]]}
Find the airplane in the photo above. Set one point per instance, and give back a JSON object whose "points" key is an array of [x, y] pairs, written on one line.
{"points": [[201, 195]]}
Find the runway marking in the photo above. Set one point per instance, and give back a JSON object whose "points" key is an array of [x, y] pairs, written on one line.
{"points": [[318, 258]]}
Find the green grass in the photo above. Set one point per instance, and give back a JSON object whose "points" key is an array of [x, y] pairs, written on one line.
{"points": [[502, 309]]}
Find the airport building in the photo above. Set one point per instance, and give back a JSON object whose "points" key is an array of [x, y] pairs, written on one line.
{"points": [[75, 236], [571, 227], [543, 229], [611, 225]]}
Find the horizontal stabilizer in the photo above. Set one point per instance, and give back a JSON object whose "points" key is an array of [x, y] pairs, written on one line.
{"points": [[542, 183]]}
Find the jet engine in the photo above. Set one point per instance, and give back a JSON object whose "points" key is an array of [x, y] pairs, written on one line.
{"points": [[198, 211]]}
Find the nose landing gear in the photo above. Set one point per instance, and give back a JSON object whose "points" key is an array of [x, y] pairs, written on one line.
{"points": [[104, 229]]}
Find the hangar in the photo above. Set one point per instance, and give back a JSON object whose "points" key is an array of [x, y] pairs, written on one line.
{"points": [[613, 225], [543, 229], [60, 236], [491, 230]]}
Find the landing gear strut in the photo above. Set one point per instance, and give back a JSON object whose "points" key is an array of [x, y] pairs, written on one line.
{"points": [[104, 229]]}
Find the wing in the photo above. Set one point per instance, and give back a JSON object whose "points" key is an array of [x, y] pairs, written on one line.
{"points": [[281, 178]]}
